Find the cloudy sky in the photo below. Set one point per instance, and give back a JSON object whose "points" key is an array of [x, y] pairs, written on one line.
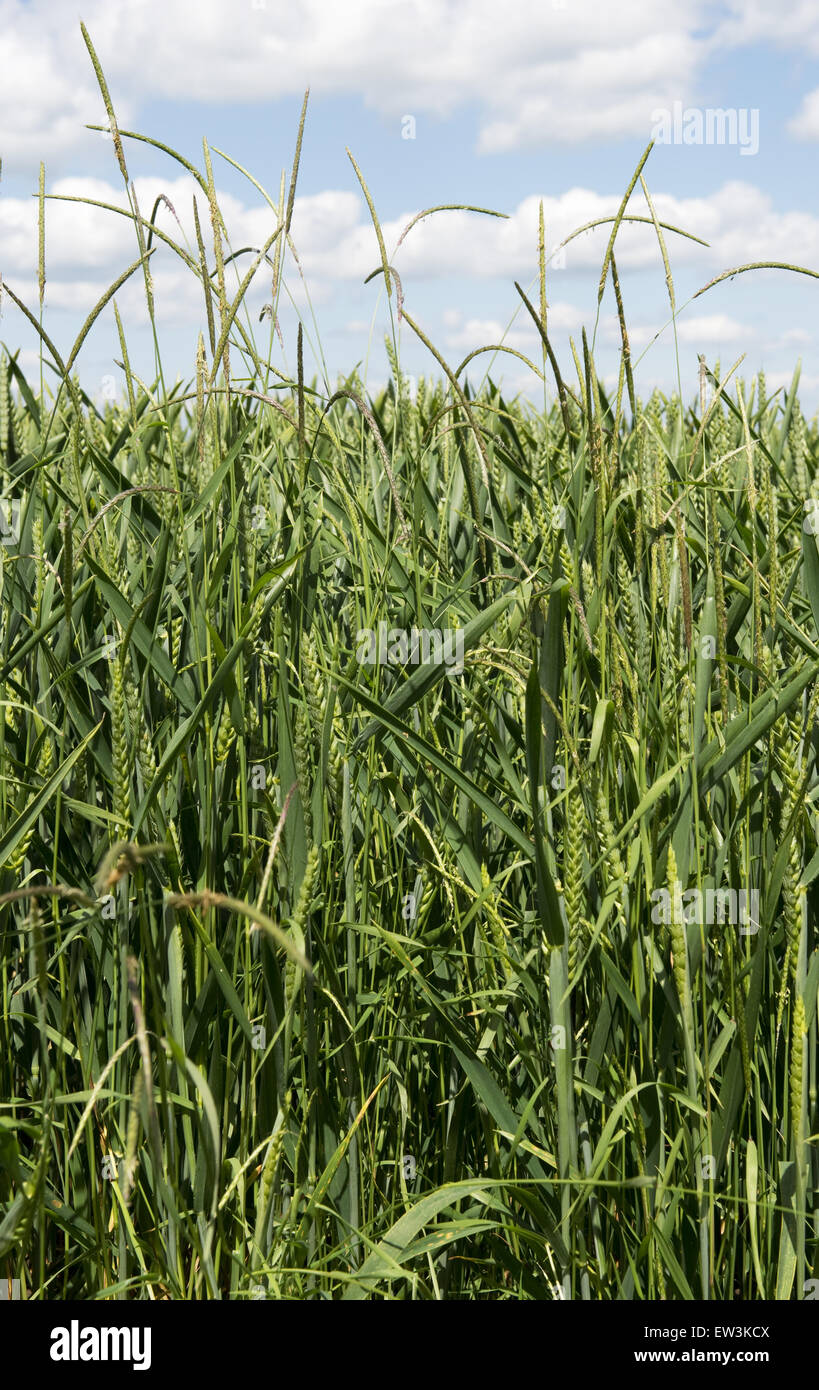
{"points": [[439, 101]]}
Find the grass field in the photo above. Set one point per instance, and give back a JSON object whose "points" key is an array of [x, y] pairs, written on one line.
{"points": [[327, 978]]}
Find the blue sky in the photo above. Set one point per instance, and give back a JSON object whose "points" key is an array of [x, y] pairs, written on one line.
{"points": [[552, 102]]}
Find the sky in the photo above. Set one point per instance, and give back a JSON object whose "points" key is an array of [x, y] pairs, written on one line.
{"points": [[439, 102]]}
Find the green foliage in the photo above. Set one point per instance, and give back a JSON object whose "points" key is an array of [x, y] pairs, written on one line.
{"points": [[343, 980]]}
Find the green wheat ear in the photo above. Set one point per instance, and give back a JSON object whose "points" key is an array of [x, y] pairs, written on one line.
{"points": [[310, 673], [299, 920], [5, 406], [132, 1139], [615, 873], [268, 1176], [679, 947], [797, 442], [500, 934], [574, 891], [301, 756], [39, 560], [226, 735], [797, 1073], [67, 570], [119, 755]]}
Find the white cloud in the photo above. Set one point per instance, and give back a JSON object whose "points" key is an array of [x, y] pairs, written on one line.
{"points": [[704, 330], [710, 330], [598, 91], [535, 75], [47, 90], [27, 358], [794, 337], [794, 26], [86, 247], [808, 382], [177, 298], [479, 332], [805, 125], [739, 221], [78, 234]]}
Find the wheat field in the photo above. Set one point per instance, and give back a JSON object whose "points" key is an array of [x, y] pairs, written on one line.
{"points": [[337, 978]]}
